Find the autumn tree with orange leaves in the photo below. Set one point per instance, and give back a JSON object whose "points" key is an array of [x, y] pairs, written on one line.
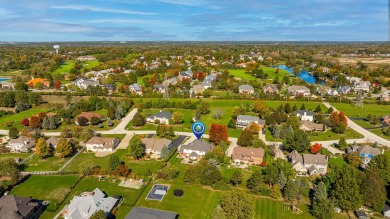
{"points": [[218, 133]]}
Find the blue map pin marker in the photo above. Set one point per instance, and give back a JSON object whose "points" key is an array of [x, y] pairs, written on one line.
{"points": [[198, 129]]}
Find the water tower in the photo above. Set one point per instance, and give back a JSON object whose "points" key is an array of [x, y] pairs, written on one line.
{"points": [[56, 47]]}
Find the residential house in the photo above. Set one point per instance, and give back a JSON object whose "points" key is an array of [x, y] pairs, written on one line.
{"points": [[385, 119], [361, 215], [270, 89], [185, 75], [206, 83], [83, 83], [89, 116], [135, 88], [366, 152], [159, 88], [34, 81], [16, 207], [362, 86], [87, 203], [304, 115], [243, 121], [196, 149], [100, 144], [354, 80], [308, 163], [308, 126], [197, 90], [86, 58], [162, 116], [344, 89], [171, 81], [386, 211], [7, 85], [385, 94], [149, 213], [296, 90], [246, 89], [248, 155], [52, 142], [21, 144], [110, 88], [154, 146]]}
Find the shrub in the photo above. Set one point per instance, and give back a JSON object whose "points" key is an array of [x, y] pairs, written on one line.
{"points": [[221, 185], [178, 192], [94, 121]]}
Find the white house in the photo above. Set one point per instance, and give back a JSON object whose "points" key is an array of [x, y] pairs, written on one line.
{"points": [[85, 83], [196, 149], [246, 89], [135, 88], [305, 115], [100, 144], [21, 144], [162, 116], [308, 163], [87, 203], [243, 121], [362, 86]]}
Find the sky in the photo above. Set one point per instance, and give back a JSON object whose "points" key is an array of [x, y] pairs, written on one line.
{"points": [[194, 20]]}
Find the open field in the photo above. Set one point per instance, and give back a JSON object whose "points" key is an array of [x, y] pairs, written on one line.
{"points": [[371, 62], [351, 111], [241, 73], [18, 117], [68, 65], [321, 136], [14, 155], [53, 163]]}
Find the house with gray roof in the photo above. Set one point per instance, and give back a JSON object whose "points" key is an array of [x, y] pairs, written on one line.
{"points": [[162, 116], [21, 144], [171, 81], [297, 90], [135, 88], [52, 142], [308, 163], [304, 115], [154, 146], [243, 121], [16, 207], [87, 203], [366, 153], [159, 88], [149, 213], [270, 89], [196, 149], [246, 89], [7, 85], [84, 83]]}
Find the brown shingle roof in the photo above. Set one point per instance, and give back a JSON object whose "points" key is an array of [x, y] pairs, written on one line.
{"points": [[106, 142], [89, 115], [243, 153]]}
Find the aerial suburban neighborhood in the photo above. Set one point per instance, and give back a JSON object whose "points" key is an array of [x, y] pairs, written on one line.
{"points": [[194, 109]]}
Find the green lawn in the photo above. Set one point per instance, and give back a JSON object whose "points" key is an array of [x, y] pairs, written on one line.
{"points": [[118, 136], [267, 208], [48, 164], [197, 201], [337, 161], [49, 188], [142, 167], [271, 73], [351, 111], [321, 136], [65, 67], [18, 117], [241, 73], [366, 124], [380, 133], [14, 155]]}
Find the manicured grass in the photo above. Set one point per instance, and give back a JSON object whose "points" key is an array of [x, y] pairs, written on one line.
{"points": [[65, 67], [351, 111], [267, 208], [18, 117], [119, 136], [48, 164], [337, 161], [197, 201], [14, 155], [49, 188], [271, 73], [321, 136], [241, 73], [142, 167], [366, 124], [380, 133]]}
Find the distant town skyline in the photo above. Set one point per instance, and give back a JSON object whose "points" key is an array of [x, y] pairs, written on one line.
{"points": [[194, 20]]}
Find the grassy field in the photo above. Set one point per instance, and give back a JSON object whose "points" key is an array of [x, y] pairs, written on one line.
{"points": [[380, 133], [197, 201], [14, 155], [48, 164], [241, 73], [49, 188], [337, 161], [18, 117], [10, 74], [321, 136], [366, 124], [68, 65], [351, 111], [141, 167]]}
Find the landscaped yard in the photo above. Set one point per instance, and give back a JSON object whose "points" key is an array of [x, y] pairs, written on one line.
{"points": [[48, 164], [241, 73], [366, 124], [18, 117], [68, 65], [351, 111], [14, 155], [380, 133]]}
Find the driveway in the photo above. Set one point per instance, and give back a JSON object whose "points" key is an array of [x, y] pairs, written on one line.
{"points": [[177, 142]]}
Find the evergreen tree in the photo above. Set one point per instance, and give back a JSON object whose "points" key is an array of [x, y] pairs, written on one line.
{"points": [[236, 178], [275, 192], [138, 119], [318, 109], [276, 131], [13, 132], [303, 107], [342, 143], [373, 191], [287, 108], [291, 191], [346, 189], [295, 108], [109, 122], [254, 182], [52, 123], [320, 191], [164, 152], [119, 113], [137, 149], [323, 209], [114, 162], [282, 180], [45, 123]]}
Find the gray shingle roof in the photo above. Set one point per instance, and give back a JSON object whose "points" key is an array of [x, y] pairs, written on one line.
{"points": [[302, 112], [161, 114], [198, 145]]}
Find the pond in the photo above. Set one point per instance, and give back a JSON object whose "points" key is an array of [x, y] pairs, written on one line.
{"points": [[304, 75]]}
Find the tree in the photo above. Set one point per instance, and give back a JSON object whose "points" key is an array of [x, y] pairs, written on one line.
{"points": [[232, 124], [294, 108], [138, 119], [203, 107], [177, 118], [298, 141], [164, 152], [21, 86], [254, 128], [323, 209], [373, 191], [282, 180], [94, 121], [45, 123], [42, 149], [114, 162], [236, 178], [81, 121], [245, 139], [57, 84], [320, 191], [218, 113], [342, 143], [275, 192], [237, 205], [121, 170], [13, 132], [330, 110], [119, 113], [9, 168], [25, 122], [35, 122], [218, 133], [315, 148], [98, 215], [258, 106], [109, 122], [276, 131], [346, 189], [291, 191], [137, 149], [272, 171], [294, 122], [111, 112], [52, 123], [64, 148], [258, 143], [354, 159], [287, 108], [254, 182], [38, 86], [303, 107], [380, 164], [318, 109]]}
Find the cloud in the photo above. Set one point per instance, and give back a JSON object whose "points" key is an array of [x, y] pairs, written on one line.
{"points": [[5, 13], [98, 9], [126, 21]]}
